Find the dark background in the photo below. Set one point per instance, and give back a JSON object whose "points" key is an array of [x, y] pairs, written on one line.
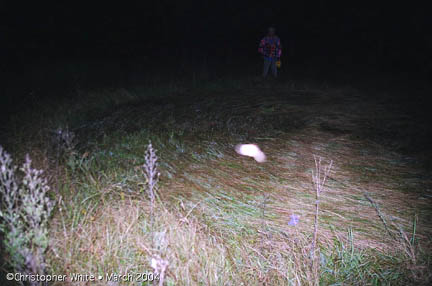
{"points": [[45, 48], [392, 37]]}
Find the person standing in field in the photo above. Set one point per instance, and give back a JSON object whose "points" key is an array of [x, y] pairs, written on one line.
{"points": [[271, 49]]}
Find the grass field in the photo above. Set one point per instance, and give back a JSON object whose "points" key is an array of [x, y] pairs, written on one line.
{"points": [[223, 219]]}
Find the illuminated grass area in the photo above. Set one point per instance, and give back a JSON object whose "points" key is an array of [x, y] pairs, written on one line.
{"points": [[222, 219]]}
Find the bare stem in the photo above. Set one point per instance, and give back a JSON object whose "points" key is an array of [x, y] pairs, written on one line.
{"points": [[319, 178]]}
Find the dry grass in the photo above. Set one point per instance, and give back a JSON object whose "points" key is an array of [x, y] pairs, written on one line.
{"points": [[116, 238], [222, 219]]}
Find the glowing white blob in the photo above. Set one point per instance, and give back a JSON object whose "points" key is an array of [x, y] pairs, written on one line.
{"points": [[251, 150]]}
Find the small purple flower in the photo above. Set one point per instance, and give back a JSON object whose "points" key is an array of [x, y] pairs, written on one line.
{"points": [[294, 219]]}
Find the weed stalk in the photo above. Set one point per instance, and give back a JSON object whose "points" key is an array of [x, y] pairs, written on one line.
{"points": [[319, 178]]}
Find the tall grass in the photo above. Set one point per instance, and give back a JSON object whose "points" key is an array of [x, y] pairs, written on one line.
{"points": [[213, 218], [319, 178]]}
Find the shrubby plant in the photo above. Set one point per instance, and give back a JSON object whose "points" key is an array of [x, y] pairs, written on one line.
{"points": [[24, 211], [151, 173], [64, 139]]}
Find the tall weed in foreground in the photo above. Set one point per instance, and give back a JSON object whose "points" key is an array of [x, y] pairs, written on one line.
{"points": [[25, 211], [151, 175], [319, 178]]}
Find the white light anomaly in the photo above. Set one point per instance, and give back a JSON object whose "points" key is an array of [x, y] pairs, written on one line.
{"points": [[251, 150]]}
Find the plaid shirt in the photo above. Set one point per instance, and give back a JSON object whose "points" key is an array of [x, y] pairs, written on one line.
{"points": [[270, 47]]}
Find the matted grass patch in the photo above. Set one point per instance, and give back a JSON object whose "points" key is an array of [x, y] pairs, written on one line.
{"points": [[222, 219]]}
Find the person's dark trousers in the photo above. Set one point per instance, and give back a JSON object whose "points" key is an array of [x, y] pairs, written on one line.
{"points": [[270, 63]]}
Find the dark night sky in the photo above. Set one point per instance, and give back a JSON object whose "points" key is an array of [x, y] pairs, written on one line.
{"points": [[325, 30]]}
